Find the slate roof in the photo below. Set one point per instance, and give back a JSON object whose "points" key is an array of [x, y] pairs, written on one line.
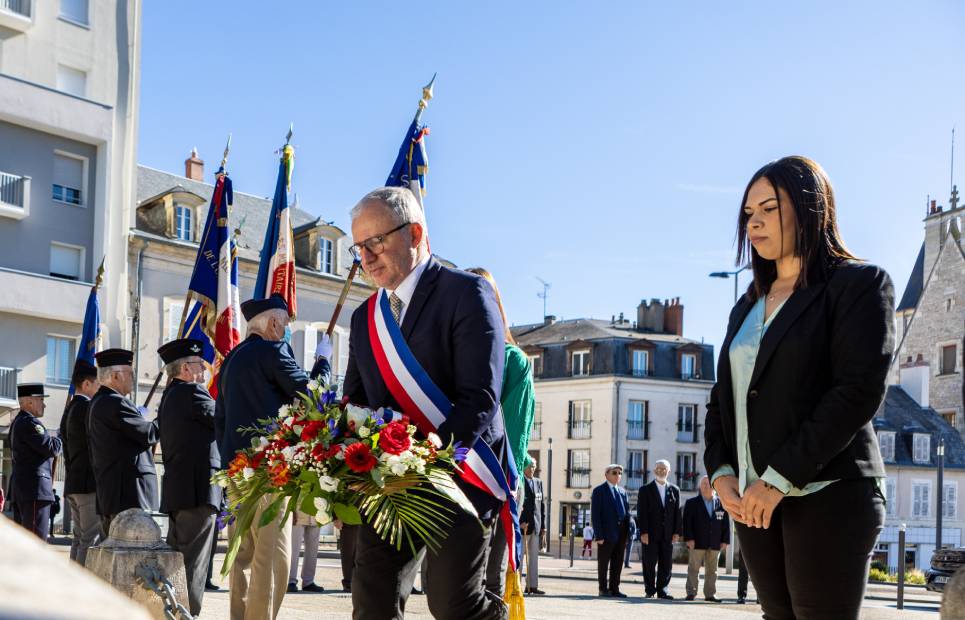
{"points": [[900, 413], [583, 329], [916, 283]]}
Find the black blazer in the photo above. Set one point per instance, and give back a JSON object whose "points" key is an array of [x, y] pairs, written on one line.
{"points": [[659, 521], [79, 477], [607, 524], [33, 450], [454, 329], [533, 506], [120, 447], [185, 418], [819, 378], [707, 532]]}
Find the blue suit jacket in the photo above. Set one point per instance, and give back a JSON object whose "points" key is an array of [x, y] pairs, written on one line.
{"points": [[603, 512], [454, 328], [33, 451]]}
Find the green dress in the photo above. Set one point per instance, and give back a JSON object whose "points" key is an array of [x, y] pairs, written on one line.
{"points": [[518, 403]]}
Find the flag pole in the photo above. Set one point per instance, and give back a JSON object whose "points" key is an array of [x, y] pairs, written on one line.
{"points": [[342, 297], [426, 97]]}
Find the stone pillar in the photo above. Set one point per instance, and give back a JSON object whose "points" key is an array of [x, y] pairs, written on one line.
{"points": [[135, 539]]}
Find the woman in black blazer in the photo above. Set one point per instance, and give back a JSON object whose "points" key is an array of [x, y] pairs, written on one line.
{"points": [[790, 446]]}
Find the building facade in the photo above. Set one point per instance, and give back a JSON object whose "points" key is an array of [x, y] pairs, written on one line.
{"points": [[615, 392]]}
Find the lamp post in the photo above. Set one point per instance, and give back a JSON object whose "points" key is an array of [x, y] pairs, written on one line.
{"points": [[549, 493], [726, 274], [941, 494]]}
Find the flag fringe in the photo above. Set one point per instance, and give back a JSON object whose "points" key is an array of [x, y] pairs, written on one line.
{"points": [[514, 596]]}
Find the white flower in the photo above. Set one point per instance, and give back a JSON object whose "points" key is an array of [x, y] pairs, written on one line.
{"points": [[262, 443], [248, 473], [288, 452], [313, 385], [322, 512], [411, 429], [327, 483], [398, 468], [434, 440], [222, 483], [357, 414], [283, 411], [364, 432]]}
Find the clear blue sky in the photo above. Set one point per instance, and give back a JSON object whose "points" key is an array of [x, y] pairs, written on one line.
{"points": [[600, 146]]}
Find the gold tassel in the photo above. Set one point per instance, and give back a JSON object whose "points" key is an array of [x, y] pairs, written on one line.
{"points": [[514, 596]]}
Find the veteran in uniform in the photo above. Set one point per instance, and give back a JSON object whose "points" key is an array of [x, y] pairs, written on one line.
{"points": [[79, 484], [120, 441], [33, 450], [257, 377], [186, 422]]}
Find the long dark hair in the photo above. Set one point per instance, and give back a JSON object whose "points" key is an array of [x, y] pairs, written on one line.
{"points": [[819, 244]]}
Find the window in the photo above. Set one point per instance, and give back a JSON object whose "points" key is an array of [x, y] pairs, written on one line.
{"points": [[636, 474], [640, 362], [948, 359], [886, 441], [68, 186], [920, 492], [60, 359], [922, 448], [183, 220], [578, 474], [949, 417], [687, 470], [66, 261], [74, 10], [325, 257], [536, 433], [71, 81], [581, 363], [536, 361], [173, 320], [688, 366], [579, 427], [687, 423], [949, 304], [638, 419], [950, 500], [891, 497]]}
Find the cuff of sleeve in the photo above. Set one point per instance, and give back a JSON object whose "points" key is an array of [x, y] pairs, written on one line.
{"points": [[723, 470], [775, 479]]}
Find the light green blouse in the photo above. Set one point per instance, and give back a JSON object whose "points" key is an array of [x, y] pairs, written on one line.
{"points": [[743, 356]]}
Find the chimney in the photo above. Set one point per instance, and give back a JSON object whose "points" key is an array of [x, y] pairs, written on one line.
{"points": [[914, 379], [673, 318], [194, 166], [549, 319]]}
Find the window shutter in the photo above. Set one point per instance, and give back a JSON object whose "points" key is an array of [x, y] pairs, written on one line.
{"points": [[68, 172]]}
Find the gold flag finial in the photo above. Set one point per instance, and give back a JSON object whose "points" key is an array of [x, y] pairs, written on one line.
{"points": [[100, 274], [427, 93], [224, 158]]}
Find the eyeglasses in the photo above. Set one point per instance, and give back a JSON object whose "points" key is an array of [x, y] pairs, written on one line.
{"points": [[375, 245]]}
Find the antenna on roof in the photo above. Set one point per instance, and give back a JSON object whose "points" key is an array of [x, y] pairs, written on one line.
{"points": [[545, 294], [951, 175]]}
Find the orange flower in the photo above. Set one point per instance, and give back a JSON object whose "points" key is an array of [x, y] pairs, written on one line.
{"points": [[279, 474], [237, 464]]}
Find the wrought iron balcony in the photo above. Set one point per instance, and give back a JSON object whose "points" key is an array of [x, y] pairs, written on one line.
{"points": [[14, 193]]}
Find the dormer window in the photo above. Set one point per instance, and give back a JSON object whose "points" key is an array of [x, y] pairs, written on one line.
{"points": [[688, 366], [886, 442], [326, 256], [581, 363], [183, 222], [921, 444]]}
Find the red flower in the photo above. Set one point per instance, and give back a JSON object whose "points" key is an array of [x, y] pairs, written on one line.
{"points": [[257, 459], [237, 464], [311, 429], [359, 458], [321, 453], [279, 474], [394, 438]]}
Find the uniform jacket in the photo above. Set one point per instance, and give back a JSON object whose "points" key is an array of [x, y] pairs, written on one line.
{"points": [[659, 521], [533, 506], [186, 422], [707, 532], [603, 512], [120, 446], [33, 451], [79, 477]]}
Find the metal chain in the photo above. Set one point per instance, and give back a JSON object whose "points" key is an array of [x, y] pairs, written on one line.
{"points": [[150, 578]]}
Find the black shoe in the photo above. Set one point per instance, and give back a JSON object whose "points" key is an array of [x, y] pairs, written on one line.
{"points": [[347, 589], [626, 566], [664, 596], [712, 599], [312, 587], [211, 587], [741, 600], [617, 594], [292, 587], [536, 591], [605, 593], [690, 597], [416, 590], [650, 594]]}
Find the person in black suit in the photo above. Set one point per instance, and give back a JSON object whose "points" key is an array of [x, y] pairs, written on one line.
{"points": [[79, 485], [186, 422], [658, 521], [706, 533], [790, 446], [610, 514], [33, 450], [451, 322], [258, 377], [121, 441], [532, 523]]}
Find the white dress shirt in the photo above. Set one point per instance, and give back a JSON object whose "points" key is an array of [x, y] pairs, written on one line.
{"points": [[406, 288], [662, 490]]}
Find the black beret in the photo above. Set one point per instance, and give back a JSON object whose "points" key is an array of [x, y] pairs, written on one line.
{"points": [[254, 307], [31, 389], [114, 357], [177, 349], [83, 370]]}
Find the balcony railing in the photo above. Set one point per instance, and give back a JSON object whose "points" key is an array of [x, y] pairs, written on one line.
{"points": [[688, 483], [638, 430], [20, 7], [579, 430], [689, 433], [8, 385], [578, 478], [635, 479], [14, 194], [641, 372], [537, 431]]}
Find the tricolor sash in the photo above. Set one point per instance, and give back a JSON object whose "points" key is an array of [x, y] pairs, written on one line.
{"points": [[428, 408]]}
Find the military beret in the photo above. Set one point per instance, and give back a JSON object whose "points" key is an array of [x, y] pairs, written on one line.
{"points": [[114, 357], [31, 389], [177, 349], [254, 307], [83, 370]]}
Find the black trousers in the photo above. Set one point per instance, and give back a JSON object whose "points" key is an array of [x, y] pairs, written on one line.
{"points": [[34, 515], [741, 576], [657, 562], [347, 541], [191, 531], [453, 579], [812, 563], [609, 559]]}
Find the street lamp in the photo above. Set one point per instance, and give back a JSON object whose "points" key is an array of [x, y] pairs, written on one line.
{"points": [[941, 494], [727, 274]]}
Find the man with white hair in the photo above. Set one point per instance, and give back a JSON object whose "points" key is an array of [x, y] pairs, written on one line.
{"points": [[33, 451], [658, 521], [121, 441], [446, 324], [257, 378]]}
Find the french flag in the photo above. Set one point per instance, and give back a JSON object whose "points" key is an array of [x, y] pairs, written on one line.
{"points": [[276, 273]]}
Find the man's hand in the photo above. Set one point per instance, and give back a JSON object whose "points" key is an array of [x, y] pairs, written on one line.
{"points": [[599, 542], [523, 527], [337, 523], [691, 544], [723, 546], [758, 504], [324, 347], [645, 539], [730, 499]]}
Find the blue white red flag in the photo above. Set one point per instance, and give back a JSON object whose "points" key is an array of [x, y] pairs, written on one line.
{"points": [[412, 164], [276, 273]]}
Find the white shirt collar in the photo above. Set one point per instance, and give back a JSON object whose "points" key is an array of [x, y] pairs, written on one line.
{"points": [[406, 288]]}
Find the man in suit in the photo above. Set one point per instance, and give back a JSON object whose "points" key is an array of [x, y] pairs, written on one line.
{"points": [[186, 422], [450, 322], [33, 450], [257, 377], [532, 524], [706, 533], [121, 441], [79, 485], [658, 521], [610, 513]]}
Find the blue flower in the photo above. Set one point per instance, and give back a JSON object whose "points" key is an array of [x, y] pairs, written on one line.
{"points": [[460, 453], [333, 428], [328, 397]]}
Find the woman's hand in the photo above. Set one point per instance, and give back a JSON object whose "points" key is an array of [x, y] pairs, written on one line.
{"points": [[730, 499], [758, 504]]}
